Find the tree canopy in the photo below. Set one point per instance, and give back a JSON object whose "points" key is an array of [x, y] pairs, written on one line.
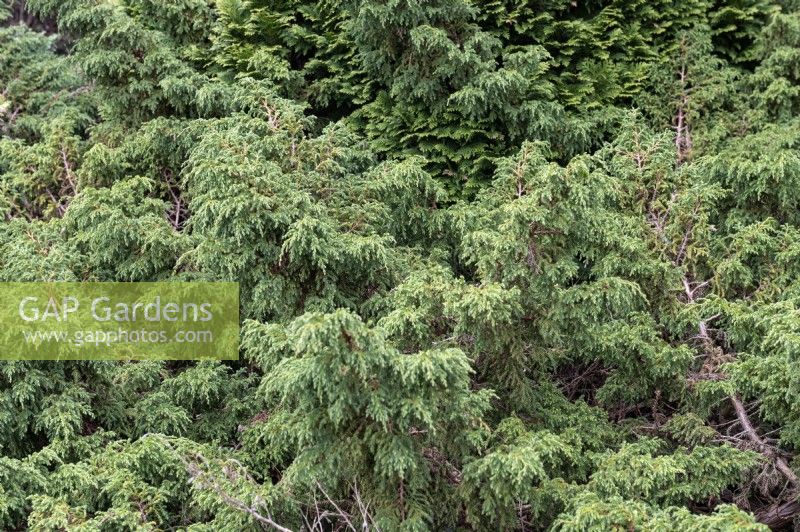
{"points": [[504, 265]]}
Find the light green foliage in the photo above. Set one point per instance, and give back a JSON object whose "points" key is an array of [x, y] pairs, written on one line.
{"points": [[396, 409], [590, 513], [504, 265], [44, 113]]}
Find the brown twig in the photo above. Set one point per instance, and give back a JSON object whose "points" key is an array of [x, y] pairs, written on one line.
{"points": [[764, 448]]}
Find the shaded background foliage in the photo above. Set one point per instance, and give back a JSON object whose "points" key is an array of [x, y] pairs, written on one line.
{"points": [[504, 265]]}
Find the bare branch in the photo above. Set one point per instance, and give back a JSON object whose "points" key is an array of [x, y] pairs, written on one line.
{"points": [[767, 450], [341, 513]]}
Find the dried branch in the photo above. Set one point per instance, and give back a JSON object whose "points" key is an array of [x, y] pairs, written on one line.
{"points": [[764, 448], [67, 170], [781, 513], [200, 476], [778, 516]]}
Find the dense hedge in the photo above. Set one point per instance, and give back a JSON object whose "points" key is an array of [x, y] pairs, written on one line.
{"points": [[508, 264]]}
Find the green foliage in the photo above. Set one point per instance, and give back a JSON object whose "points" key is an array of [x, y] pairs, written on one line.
{"points": [[590, 513], [504, 265], [396, 409], [44, 113]]}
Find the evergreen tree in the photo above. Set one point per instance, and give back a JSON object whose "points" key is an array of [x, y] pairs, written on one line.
{"points": [[503, 265]]}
